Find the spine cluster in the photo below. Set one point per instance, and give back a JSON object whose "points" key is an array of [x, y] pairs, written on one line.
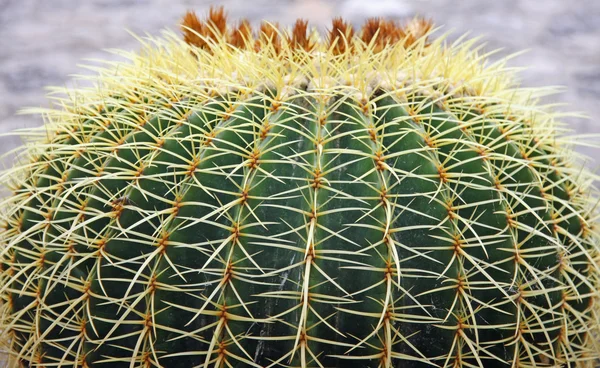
{"points": [[376, 32]]}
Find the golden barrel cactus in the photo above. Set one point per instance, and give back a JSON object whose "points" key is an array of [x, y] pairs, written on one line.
{"points": [[374, 197]]}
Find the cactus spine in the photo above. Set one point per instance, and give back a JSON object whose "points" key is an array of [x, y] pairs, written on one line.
{"points": [[240, 199]]}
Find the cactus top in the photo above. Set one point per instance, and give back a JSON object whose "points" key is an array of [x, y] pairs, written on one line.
{"points": [[383, 54], [376, 34]]}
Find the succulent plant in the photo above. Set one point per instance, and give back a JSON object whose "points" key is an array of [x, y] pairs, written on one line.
{"points": [[273, 198]]}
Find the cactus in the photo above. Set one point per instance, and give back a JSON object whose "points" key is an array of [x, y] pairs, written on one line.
{"points": [[272, 198]]}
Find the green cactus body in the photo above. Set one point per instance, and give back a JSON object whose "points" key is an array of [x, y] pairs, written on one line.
{"points": [[291, 206]]}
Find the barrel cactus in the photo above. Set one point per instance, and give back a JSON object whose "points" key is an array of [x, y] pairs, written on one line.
{"points": [[376, 197]]}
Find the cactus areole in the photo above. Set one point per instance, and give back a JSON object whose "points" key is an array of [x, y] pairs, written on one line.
{"points": [[374, 197]]}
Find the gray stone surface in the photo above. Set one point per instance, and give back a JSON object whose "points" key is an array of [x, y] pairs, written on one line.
{"points": [[42, 41]]}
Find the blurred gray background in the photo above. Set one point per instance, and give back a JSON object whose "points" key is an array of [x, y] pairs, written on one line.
{"points": [[42, 41]]}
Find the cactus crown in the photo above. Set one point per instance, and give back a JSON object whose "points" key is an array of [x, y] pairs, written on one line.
{"points": [[340, 38], [240, 199]]}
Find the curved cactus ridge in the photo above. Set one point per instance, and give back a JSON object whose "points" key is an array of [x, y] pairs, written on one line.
{"points": [[378, 198]]}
